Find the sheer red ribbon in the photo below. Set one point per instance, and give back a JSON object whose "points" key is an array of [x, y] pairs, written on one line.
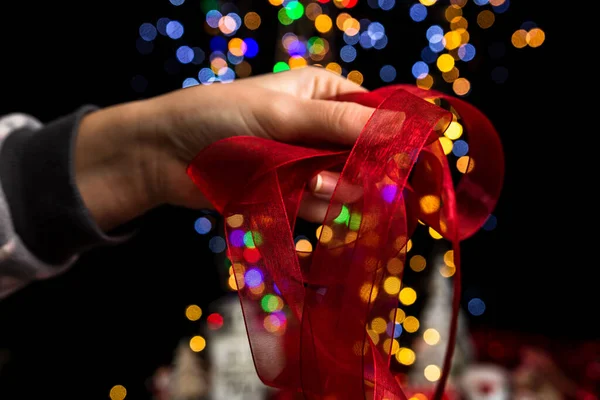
{"points": [[307, 315]]}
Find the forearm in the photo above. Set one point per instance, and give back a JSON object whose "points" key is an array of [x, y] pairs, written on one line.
{"points": [[61, 188], [112, 156]]}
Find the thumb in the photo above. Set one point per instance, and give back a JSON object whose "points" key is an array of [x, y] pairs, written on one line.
{"points": [[335, 122]]}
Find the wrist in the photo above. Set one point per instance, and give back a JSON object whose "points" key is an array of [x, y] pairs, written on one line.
{"points": [[112, 156]]}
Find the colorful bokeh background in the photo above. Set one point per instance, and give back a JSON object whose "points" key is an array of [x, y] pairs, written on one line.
{"points": [[119, 314]]}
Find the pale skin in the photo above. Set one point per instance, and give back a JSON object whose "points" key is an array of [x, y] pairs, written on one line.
{"points": [[132, 157]]}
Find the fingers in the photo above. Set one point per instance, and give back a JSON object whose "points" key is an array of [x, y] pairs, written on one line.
{"points": [[320, 191], [323, 184], [312, 208], [308, 83], [328, 85], [318, 121]]}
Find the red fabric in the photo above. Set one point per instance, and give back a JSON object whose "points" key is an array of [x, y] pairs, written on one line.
{"points": [[321, 348]]}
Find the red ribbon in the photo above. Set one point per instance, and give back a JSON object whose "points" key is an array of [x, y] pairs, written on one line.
{"points": [[309, 316]]}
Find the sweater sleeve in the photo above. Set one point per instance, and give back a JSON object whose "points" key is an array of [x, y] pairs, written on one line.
{"points": [[44, 224]]}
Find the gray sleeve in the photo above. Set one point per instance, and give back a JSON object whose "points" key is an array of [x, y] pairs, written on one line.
{"points": [[44, 223], [18, 266]]}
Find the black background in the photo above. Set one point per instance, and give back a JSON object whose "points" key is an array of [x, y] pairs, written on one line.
{"points": [[118, 313]]}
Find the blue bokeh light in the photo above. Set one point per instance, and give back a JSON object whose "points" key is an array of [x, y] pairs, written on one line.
{"points": [[420, 70], [476, 306], [185, 54], [348, 53], [174, 29], [251, 48], [418, 12], [387, 73], [189, 82], [202, 225], [217, 244], [148, 32]]}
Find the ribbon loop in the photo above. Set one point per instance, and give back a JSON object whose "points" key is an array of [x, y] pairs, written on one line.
{"points": [[319, 323]]}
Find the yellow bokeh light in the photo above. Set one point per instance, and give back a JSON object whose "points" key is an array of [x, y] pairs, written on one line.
{"points": [[297, 62], [117, 392], [535, 37], [374, 336], [355, 77], [395, 266], [197, 343], [407, 296], [454, 130], [252, 20], [428, 2], [458, 24], [408, 245], [341, 18], [232, 282], [411, 324], [405, 356], [447, 145], [276, 2], [497, 3], [464, 38], [453, 11], [334, 67], [419, 396], [453, 40], [304, 246], [391, 346], [519, 38], [313, 10], [351, 26], [434, 234], [465, 164], [432, 373], [447, 271], [451, 75], [193, 312], [368, 292], [461, 86], [449, 258], [235, 221], [391, 285], [417, 263], [237, 47], [429, 203], [426, 82], [397, 315], [378, 325], [324, 234], [431, 336], [243, 70], [445, 62], [485, 19], [323, 23], [258, 290]]}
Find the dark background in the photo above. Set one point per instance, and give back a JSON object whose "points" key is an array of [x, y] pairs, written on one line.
{"points": [[118, 313]]}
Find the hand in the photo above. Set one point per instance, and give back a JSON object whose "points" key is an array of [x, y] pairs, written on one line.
{"points": [[137, 153]]}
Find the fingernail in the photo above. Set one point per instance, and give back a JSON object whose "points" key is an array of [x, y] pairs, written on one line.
{"points": [[325, 184]]}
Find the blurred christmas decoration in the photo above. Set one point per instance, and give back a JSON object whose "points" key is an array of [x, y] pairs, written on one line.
{"points": [[485, 382], [232, 372], [188, 379], [430, 347]]}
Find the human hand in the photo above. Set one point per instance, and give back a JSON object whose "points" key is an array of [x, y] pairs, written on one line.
{"points": [[169, 130]]}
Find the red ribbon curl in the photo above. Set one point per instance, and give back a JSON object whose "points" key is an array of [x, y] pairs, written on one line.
{"points": [[308, 316]]}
